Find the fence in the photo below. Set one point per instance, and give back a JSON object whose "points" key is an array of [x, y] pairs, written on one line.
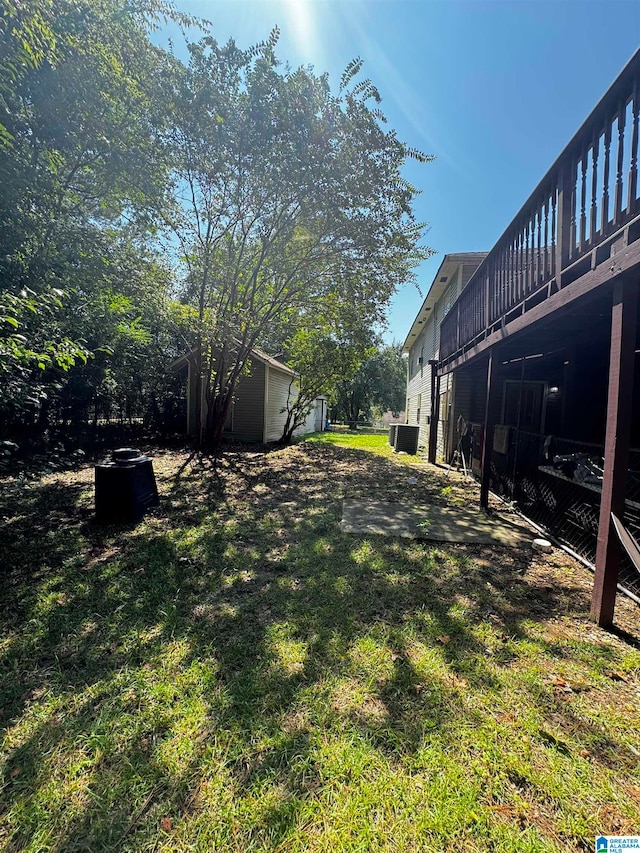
{"points": [[557, 483]]}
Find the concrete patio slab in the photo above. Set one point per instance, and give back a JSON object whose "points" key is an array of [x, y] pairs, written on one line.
{"points": [[439, 524]]}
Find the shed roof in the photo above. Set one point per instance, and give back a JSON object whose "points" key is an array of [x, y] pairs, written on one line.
{"points": [[256, 354]]}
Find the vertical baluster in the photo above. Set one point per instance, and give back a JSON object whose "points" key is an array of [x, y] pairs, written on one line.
{"points": [[617, 204], [572, 212], [487, 302], [517, 266], [510, 278], [605, 177], [554, 198], [525, 259], [489, 297], [531, 228], [505, 270], [521, 266], [593, 222], [539, 274], [505, 282], [513, 284], [495, 304], [507, 278], [532, 239], [633, 165], [493, 292], [547, 271], [494, 287], [512, 273], [518, 269], [583, 202]]}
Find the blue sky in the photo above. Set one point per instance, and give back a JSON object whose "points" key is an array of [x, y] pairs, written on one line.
{"points": [[493, 88]]}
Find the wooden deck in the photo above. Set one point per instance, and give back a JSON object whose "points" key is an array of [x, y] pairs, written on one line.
{"points": [[576, 238], [579, 230]]}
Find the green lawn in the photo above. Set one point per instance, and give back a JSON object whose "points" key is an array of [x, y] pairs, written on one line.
{"points": [[374, 442], [236, 674]]}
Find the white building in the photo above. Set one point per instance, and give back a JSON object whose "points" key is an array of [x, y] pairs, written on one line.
{"points": [[422, 346]]}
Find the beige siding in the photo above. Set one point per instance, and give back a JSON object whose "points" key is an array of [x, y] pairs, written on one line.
{"points": [[427, 347], [310, 423], [191, 401], [467, 271], [419, 382], [279, 388], [247, 422]]}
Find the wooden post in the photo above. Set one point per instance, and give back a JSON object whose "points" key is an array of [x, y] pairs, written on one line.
{"points": [[435, 412], [616, 448], [489, 424]]}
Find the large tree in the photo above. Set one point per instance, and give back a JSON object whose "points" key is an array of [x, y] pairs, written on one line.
{"points": [[288, 196], [379, 385], [81, 164]]}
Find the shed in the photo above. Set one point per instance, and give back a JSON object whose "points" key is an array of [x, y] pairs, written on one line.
{"points": [[257, 411]]}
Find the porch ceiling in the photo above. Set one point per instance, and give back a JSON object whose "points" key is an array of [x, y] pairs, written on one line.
{"points": [[586, 320]]}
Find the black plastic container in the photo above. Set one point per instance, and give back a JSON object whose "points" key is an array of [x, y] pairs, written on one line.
{"points": [[125, 487], [406, 438]]}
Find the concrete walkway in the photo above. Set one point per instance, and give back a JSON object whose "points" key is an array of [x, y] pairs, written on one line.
{"points": [[440, 524]]}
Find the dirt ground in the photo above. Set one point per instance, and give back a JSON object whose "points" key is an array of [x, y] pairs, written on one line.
{"points": [[318, 474]]}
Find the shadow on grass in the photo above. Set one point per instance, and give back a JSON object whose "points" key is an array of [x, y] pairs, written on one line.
{"points": [[224, 641]]}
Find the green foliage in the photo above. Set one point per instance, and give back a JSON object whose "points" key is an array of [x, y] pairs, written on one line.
{"points": [[290, 205], [378, 386], [82, 170], [323, 350], [277, 205]]}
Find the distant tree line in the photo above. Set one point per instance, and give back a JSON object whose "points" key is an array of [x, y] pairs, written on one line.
{"points": [[152, 206], [376, 387]]}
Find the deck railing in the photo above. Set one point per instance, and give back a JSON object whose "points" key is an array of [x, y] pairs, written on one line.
{"points": [[587, 196]]}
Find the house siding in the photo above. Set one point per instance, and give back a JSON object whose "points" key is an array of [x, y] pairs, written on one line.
{"points": [[427, 346], [453, 394]]}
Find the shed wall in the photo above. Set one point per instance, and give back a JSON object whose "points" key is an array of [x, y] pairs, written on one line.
{"points": [[278, 389], [248, 406]]}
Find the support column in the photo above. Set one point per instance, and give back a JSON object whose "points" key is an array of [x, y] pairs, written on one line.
{"points": [[493, 390], [616, 448], [435, 412]]}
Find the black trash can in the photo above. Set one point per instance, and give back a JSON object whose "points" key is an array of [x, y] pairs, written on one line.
{"points": [[125, 487]]}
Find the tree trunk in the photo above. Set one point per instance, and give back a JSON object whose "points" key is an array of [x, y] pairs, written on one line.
{"points": [[218, 410], [287, 433]]}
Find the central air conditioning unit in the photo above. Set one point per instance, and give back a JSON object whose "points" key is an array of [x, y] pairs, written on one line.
{"points": [[406, 438]]}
